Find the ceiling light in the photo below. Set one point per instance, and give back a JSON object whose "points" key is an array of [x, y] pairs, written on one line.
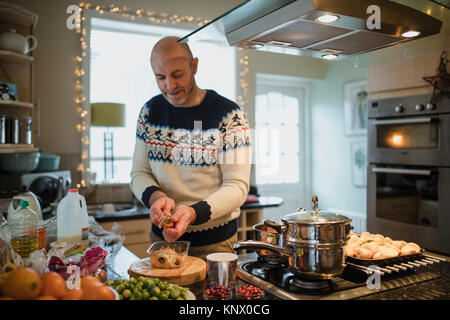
{"points": [[410, 34], [330, 56], [327, 18]]}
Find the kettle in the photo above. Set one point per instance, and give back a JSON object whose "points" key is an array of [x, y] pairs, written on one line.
{"points": [[15, 42], [32, 200]]}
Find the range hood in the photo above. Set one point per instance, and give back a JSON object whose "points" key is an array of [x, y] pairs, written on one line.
{"points": [[295, 25]]}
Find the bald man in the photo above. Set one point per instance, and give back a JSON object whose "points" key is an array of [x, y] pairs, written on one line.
{"points": [[186, 157]]}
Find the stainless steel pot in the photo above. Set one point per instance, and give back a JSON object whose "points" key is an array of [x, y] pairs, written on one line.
{"points": [[313, 240], [267, 234]]}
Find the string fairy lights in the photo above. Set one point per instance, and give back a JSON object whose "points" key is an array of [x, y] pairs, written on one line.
{"points": [[82, 103]]}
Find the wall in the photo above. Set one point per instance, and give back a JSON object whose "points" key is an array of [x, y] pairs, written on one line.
{"points": [[330, 154]]}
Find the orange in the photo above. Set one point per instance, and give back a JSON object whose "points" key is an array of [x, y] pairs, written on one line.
{"points": [[23, 283], [46, 298], [53, 285], [85, 282], [97, 291], [74, 294]]}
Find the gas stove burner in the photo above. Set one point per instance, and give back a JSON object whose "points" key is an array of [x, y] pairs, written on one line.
{"points": [[298, 284]]}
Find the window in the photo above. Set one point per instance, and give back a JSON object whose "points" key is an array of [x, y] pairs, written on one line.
{"points": [[120, 72]]}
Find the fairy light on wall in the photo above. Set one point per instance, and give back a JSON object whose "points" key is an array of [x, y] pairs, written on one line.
{"points": [[82, 105]]}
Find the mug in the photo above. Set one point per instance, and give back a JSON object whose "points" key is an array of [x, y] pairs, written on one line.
{"points": [[221, 269]]}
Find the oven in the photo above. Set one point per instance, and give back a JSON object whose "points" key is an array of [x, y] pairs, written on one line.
{"points": [[408, 177], [409, 131]]}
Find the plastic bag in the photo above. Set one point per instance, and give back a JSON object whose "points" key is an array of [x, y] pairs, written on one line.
{"points": [[38, 260]]}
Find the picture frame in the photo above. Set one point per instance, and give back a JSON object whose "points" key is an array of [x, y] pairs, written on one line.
{"points": [[359, 163], [355, 107]]}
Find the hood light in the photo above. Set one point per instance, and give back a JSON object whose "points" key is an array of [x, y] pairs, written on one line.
{"points": [[410, 34], [327, 18], [330, 56]]}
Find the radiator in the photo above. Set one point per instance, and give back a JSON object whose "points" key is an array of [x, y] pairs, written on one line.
{"points": [[359, 220]]}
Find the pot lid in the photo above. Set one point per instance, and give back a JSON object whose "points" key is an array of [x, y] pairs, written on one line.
{"points": [[315, 215]]}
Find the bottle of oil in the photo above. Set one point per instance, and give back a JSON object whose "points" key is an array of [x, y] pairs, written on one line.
{"points": [[24, 229]]}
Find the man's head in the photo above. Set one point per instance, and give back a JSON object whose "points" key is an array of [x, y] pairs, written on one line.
{"points": [[174, 68]]}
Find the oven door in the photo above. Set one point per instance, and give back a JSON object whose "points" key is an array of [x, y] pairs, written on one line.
{"points": [[411, 204], [423, 140]]}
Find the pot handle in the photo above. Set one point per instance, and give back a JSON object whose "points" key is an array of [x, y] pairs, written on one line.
{"points": [[261, 245], [278, 227]]}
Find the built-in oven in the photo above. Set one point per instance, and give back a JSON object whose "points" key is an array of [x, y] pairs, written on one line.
{"points": [[416, 134], [408, 183], [410, 203]]}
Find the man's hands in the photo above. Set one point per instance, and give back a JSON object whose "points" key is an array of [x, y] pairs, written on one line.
{"points": [[183, 216]]}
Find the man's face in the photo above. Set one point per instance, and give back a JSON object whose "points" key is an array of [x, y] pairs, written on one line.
{"points": [[175, 79]]}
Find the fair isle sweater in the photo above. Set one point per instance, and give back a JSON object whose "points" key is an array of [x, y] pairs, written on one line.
{"points": [[200, 157]]}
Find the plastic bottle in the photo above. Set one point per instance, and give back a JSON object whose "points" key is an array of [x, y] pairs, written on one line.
{"points": [[84, 222], [24, 229], [68, 218]]}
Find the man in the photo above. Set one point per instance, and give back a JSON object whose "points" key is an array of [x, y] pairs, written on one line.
{"points": [[192, 156]]}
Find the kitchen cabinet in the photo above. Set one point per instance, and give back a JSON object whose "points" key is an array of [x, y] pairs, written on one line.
{"points": [[19, 69], [402, 78]]}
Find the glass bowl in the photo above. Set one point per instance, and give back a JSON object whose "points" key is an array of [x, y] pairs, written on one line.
{"points": [[243, 293], [168, 255]]}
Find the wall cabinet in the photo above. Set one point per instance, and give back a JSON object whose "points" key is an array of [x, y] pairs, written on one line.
{"points": [[402, 78], [18, 69]]}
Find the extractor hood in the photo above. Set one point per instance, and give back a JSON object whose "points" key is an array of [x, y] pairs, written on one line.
{"points": [[318, 28]]}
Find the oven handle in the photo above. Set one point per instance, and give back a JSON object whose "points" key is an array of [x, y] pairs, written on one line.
{"points": [[402, 171], [403, 121]]}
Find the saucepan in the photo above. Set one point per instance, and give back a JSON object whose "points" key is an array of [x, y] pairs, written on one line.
{"points": [[312, 242]]}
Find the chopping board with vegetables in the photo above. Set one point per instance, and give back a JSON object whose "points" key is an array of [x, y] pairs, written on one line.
{"points": [[192, 271]]}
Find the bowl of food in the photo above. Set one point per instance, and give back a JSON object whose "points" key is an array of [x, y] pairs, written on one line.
{"points": [[168, 255]]}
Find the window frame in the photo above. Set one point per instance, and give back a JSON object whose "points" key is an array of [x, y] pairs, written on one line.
{"points": [[304, 130]]}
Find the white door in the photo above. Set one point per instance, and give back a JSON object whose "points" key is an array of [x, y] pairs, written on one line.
{"points": [[281, 142]]}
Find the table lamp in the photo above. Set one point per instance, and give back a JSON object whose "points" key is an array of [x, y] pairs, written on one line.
{"points": [[108, 114]]}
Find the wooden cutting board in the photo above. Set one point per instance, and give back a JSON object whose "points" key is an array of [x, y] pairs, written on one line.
{"points": [[193, 270]]}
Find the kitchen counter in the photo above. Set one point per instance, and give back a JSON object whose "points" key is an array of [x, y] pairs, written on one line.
{"points": [[142, 212], [438, 289]]}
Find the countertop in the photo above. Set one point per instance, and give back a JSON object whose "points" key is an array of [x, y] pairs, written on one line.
{"points": [[142, 212], [437, 289]]}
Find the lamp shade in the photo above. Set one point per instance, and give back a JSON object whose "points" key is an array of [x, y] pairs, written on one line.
{"points": [[107, 114]]}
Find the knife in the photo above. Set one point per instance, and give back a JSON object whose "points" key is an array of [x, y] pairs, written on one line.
{"points": [[168, 216]]}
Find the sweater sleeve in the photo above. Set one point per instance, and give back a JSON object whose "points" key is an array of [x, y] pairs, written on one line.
{"points": [[143, 183], [235, 164]]}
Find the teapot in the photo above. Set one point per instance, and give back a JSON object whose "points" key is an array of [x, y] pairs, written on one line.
{"points": [[32, 200], [13, 41]]}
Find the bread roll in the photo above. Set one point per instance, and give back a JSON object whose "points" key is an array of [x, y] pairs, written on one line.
{"points": [[372, 246], [410, 248], [385, 253], [363, 253], [399, 243]]}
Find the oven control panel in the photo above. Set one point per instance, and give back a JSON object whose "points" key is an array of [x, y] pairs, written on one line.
{"points": [[408, 106]]}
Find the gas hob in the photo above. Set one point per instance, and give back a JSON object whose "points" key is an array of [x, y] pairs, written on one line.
{"points": [[353, 283]]}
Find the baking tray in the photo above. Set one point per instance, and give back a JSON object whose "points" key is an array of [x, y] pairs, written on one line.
{"points": [[387, 261]]}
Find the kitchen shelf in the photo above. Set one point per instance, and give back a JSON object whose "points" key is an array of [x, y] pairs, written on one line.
{"points": [[17, 148], [11, 13], [19, 104], [14, 57]]}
